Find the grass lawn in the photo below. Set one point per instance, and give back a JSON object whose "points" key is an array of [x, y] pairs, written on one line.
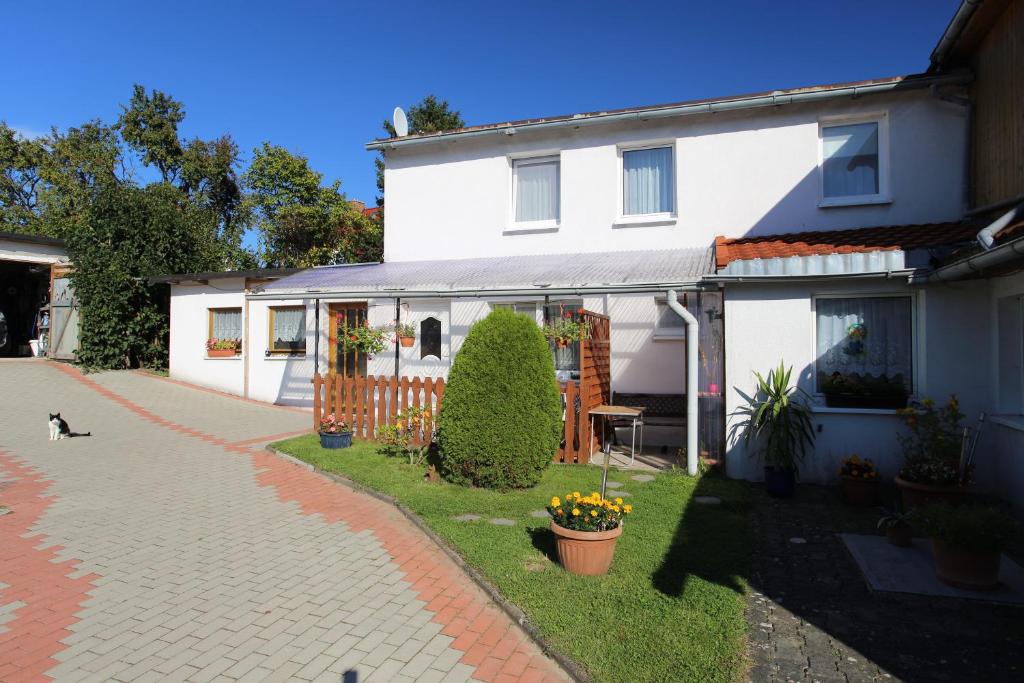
{"points": [[670, 610]]}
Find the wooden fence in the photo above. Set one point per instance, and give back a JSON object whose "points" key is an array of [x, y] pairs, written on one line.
{"points": [[367, 402]]}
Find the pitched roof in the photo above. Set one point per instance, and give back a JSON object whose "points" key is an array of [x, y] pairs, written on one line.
{"points": [[543, 272], [858, 240]]}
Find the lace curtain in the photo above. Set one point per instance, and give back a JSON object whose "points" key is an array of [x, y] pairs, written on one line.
{"points": [[868, 336], [227, 324], [289, 325]]}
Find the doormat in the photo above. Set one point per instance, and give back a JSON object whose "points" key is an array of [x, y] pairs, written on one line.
{"points": [[888, 568]]}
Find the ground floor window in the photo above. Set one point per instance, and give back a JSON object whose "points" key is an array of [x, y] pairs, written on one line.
{"points": [[524, 308], [224, 330], [287, 329], [864, 354]]}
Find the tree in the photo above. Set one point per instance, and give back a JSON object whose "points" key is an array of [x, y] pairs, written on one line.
{"points": [[210, 179], [501, 420], [427, 116], [149, 125], [129, 233], [301, 221], [19, 181]]}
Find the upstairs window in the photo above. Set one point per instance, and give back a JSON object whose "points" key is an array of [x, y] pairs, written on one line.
{"points": [[287, 330], [853, 162], [647, 184], [536, 189]]}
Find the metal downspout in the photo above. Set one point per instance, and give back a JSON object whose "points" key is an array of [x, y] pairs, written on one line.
{"points": [[316, 338], [691, 380]]}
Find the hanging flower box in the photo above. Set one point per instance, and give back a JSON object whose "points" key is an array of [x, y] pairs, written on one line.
{"points": [[406, 334], [565, 329], [364, 338], [223, 348]]}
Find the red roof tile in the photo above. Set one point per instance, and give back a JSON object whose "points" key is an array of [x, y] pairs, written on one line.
{"points": [[841, 241], [371, 212]]}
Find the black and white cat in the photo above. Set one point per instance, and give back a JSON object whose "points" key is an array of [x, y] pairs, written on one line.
{"points": [[59, 428]]}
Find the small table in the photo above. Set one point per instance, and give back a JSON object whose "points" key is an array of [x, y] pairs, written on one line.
{"points": [[606, 411]]}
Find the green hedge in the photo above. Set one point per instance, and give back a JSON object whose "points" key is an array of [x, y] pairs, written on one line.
{"points": [[501, 420]]}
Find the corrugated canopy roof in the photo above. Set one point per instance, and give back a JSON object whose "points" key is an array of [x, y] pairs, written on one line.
{"points": [[549, 271]]}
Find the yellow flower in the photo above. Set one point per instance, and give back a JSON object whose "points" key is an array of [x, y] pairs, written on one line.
{"points": [[615, 508], [555, 502], [593, 513], [627, 509], [575, 512], [618, 501], [576, 494]]}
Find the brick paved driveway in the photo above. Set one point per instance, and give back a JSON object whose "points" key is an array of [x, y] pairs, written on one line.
{"points": [[165, 548]]}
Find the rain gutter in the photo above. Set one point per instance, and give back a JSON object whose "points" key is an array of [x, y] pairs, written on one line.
{"points": [[952, 33], [741, 103], [909, 273], [640, 288], [977, 264]]}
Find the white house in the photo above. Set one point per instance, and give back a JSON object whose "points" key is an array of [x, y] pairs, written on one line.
{"points": [[789, 224]]}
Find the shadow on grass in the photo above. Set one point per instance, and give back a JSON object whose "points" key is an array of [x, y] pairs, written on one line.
{"points": [[711, 542], [543, 539]]}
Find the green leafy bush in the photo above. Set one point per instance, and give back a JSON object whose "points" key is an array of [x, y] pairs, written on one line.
{"points": [[971, 527], [501, 420]]}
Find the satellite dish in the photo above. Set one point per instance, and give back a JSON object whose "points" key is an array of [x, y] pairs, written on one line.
{"points": [[401, 122]]}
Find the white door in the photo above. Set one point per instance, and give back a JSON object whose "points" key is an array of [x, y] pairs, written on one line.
{"points": [[430, 355]]}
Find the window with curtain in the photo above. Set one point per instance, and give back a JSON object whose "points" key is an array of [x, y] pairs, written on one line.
{"points": [[866, 341], [647, 181], [225, 323], [536, 189], [287, 329], [850, 160]]}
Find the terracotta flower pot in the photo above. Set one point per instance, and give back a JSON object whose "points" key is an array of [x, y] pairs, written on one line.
{"points": [[406, 342], [968, 569], [221, 353], [919, 495], [587, 553], [859, 491], [561, 343], [900, 535]]}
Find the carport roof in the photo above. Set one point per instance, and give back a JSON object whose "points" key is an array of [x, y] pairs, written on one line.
{"points": [[587, 271]]}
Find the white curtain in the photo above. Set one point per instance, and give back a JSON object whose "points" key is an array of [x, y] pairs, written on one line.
{"points": [[536, 190], [867, 336], [850, 160], [227, 324], [290, 325], [647, 181]]}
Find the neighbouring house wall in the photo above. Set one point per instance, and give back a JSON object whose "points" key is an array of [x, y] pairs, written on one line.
{"points": [[738, 173], [767, 323], [1004, 436], [190, 305]]}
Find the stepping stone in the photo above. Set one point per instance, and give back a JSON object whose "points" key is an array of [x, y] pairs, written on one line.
{"points": [[796, 540], [642, 477], [500, 521], [621, 494], [707, 500], [466, 518], [614, 484], [540, 514]]}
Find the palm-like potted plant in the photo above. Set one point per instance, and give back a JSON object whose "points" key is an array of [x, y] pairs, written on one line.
{"points": [[778, 421], [586, 530], [967, 543], [897, 526]]}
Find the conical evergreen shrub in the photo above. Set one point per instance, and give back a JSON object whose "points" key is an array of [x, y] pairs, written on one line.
{"points": [[501, 419]]}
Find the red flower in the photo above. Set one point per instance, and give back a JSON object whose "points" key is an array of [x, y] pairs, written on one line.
{"points": [[581, 311], [352, 337], [567, 314]]}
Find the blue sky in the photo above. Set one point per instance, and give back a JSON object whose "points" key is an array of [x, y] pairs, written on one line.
{"points": [[319, 77]]}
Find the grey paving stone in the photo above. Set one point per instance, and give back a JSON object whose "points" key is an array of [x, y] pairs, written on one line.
{"points": [[467, 518], [539, 514], [707, 500], [614, 484], [501, 521], [642, 477]]}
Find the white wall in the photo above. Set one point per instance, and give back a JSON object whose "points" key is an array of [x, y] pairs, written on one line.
{"points": [[771, 322], [29, 252], [738, 173], [190, 328]]}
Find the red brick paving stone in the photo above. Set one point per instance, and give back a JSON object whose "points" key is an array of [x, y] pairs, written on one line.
{"points": [[423, 564], [532, 675], [488, 671], [30, 639]]}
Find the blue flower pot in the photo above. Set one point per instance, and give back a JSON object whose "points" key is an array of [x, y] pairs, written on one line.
{"points": [[336, 440], [779, 482]]}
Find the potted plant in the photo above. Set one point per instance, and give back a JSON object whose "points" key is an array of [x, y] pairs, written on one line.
{"points": [[223, 348], [406, 334], [897, 527], [967, 543], [931, 466], [863, 391], [399, 437], [858, 481], [334, 433], [364, 338], [778, 418], [565, 330], [586, 530]]}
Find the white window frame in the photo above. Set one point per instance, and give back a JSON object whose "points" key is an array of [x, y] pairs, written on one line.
{"points": [[666, 333], [916, 338], [514, 226], [884, 195], [537, 307], [623, 220]]}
